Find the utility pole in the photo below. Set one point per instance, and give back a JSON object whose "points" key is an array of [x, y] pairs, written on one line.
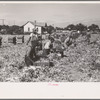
{"points": [[35, 23], [2, 21]]}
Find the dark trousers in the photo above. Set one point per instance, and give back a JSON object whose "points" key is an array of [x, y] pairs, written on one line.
{"points": [[45, 52], [31, 53]]}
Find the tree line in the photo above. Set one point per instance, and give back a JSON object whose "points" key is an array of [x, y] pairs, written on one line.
{"points": [[80, 27], [15, 29]]}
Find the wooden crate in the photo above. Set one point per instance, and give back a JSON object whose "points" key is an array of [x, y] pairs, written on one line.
{"points": [[20, 39], [12, 40], [29, 62], [45, 63]]}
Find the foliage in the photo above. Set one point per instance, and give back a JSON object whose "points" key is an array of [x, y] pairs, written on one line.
{"points": [[93, 27], [3, 29], [70, 27], [14, 30], [81, 27], [45, 24], [50, 29], [59, 28]]}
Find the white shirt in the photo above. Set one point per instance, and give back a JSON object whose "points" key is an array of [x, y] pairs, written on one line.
{"points": [[32, 35], [47, 45], [66, 40]]}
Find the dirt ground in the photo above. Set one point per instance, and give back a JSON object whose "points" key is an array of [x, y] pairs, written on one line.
{"points": [[81, 64]]}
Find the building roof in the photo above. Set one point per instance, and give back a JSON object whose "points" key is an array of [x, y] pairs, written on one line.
{"points": [[37, 23]]}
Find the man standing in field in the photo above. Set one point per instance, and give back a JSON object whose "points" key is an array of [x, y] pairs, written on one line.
{"points": [[31, 53]]}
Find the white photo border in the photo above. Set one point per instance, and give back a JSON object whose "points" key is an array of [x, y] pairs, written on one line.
{"points": [[47, 90]]}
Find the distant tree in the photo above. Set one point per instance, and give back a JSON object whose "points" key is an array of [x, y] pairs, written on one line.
{"points": [[70, 27], [44, 29], [59, 28], [50, 29], [3, 29], [93, 27], [0, 27], [80, 27], [45, 24], [14, 30]]}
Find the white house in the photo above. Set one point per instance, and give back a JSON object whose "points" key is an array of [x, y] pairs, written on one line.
{"points": [[29, 26]]}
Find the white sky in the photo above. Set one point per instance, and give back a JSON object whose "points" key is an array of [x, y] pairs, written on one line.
{"points": [[50, 13]]}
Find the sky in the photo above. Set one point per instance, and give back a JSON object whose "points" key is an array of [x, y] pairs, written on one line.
{"points": [[57, 14]]}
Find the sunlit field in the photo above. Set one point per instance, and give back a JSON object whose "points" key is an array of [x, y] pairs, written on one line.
{"points": [[81, 63]]}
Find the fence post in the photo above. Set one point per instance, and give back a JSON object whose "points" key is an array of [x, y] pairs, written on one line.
{"points": [[14, 40], [0, 41]]}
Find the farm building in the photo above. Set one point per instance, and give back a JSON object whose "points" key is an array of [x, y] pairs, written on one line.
{"points": [[29, 26]]}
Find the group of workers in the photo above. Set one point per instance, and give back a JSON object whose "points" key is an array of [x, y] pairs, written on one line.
{"points": [[50, 44]]}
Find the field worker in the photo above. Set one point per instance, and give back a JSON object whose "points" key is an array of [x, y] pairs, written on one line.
{"points": [[58, 47], [68, 41], [33, 38], [47, 46], [62, 37]]}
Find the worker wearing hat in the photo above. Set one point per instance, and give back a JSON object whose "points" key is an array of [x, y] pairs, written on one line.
{"points": [[31, 53]]}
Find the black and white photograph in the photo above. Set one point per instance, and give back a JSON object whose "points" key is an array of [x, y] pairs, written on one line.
{"points": [[49, 42]]}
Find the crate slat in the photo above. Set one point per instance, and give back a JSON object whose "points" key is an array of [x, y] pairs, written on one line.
{"points": [[20, 39]]}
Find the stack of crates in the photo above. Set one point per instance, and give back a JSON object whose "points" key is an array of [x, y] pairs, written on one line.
{"points": [[12, 40], [20, 39], [44, 63]]}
